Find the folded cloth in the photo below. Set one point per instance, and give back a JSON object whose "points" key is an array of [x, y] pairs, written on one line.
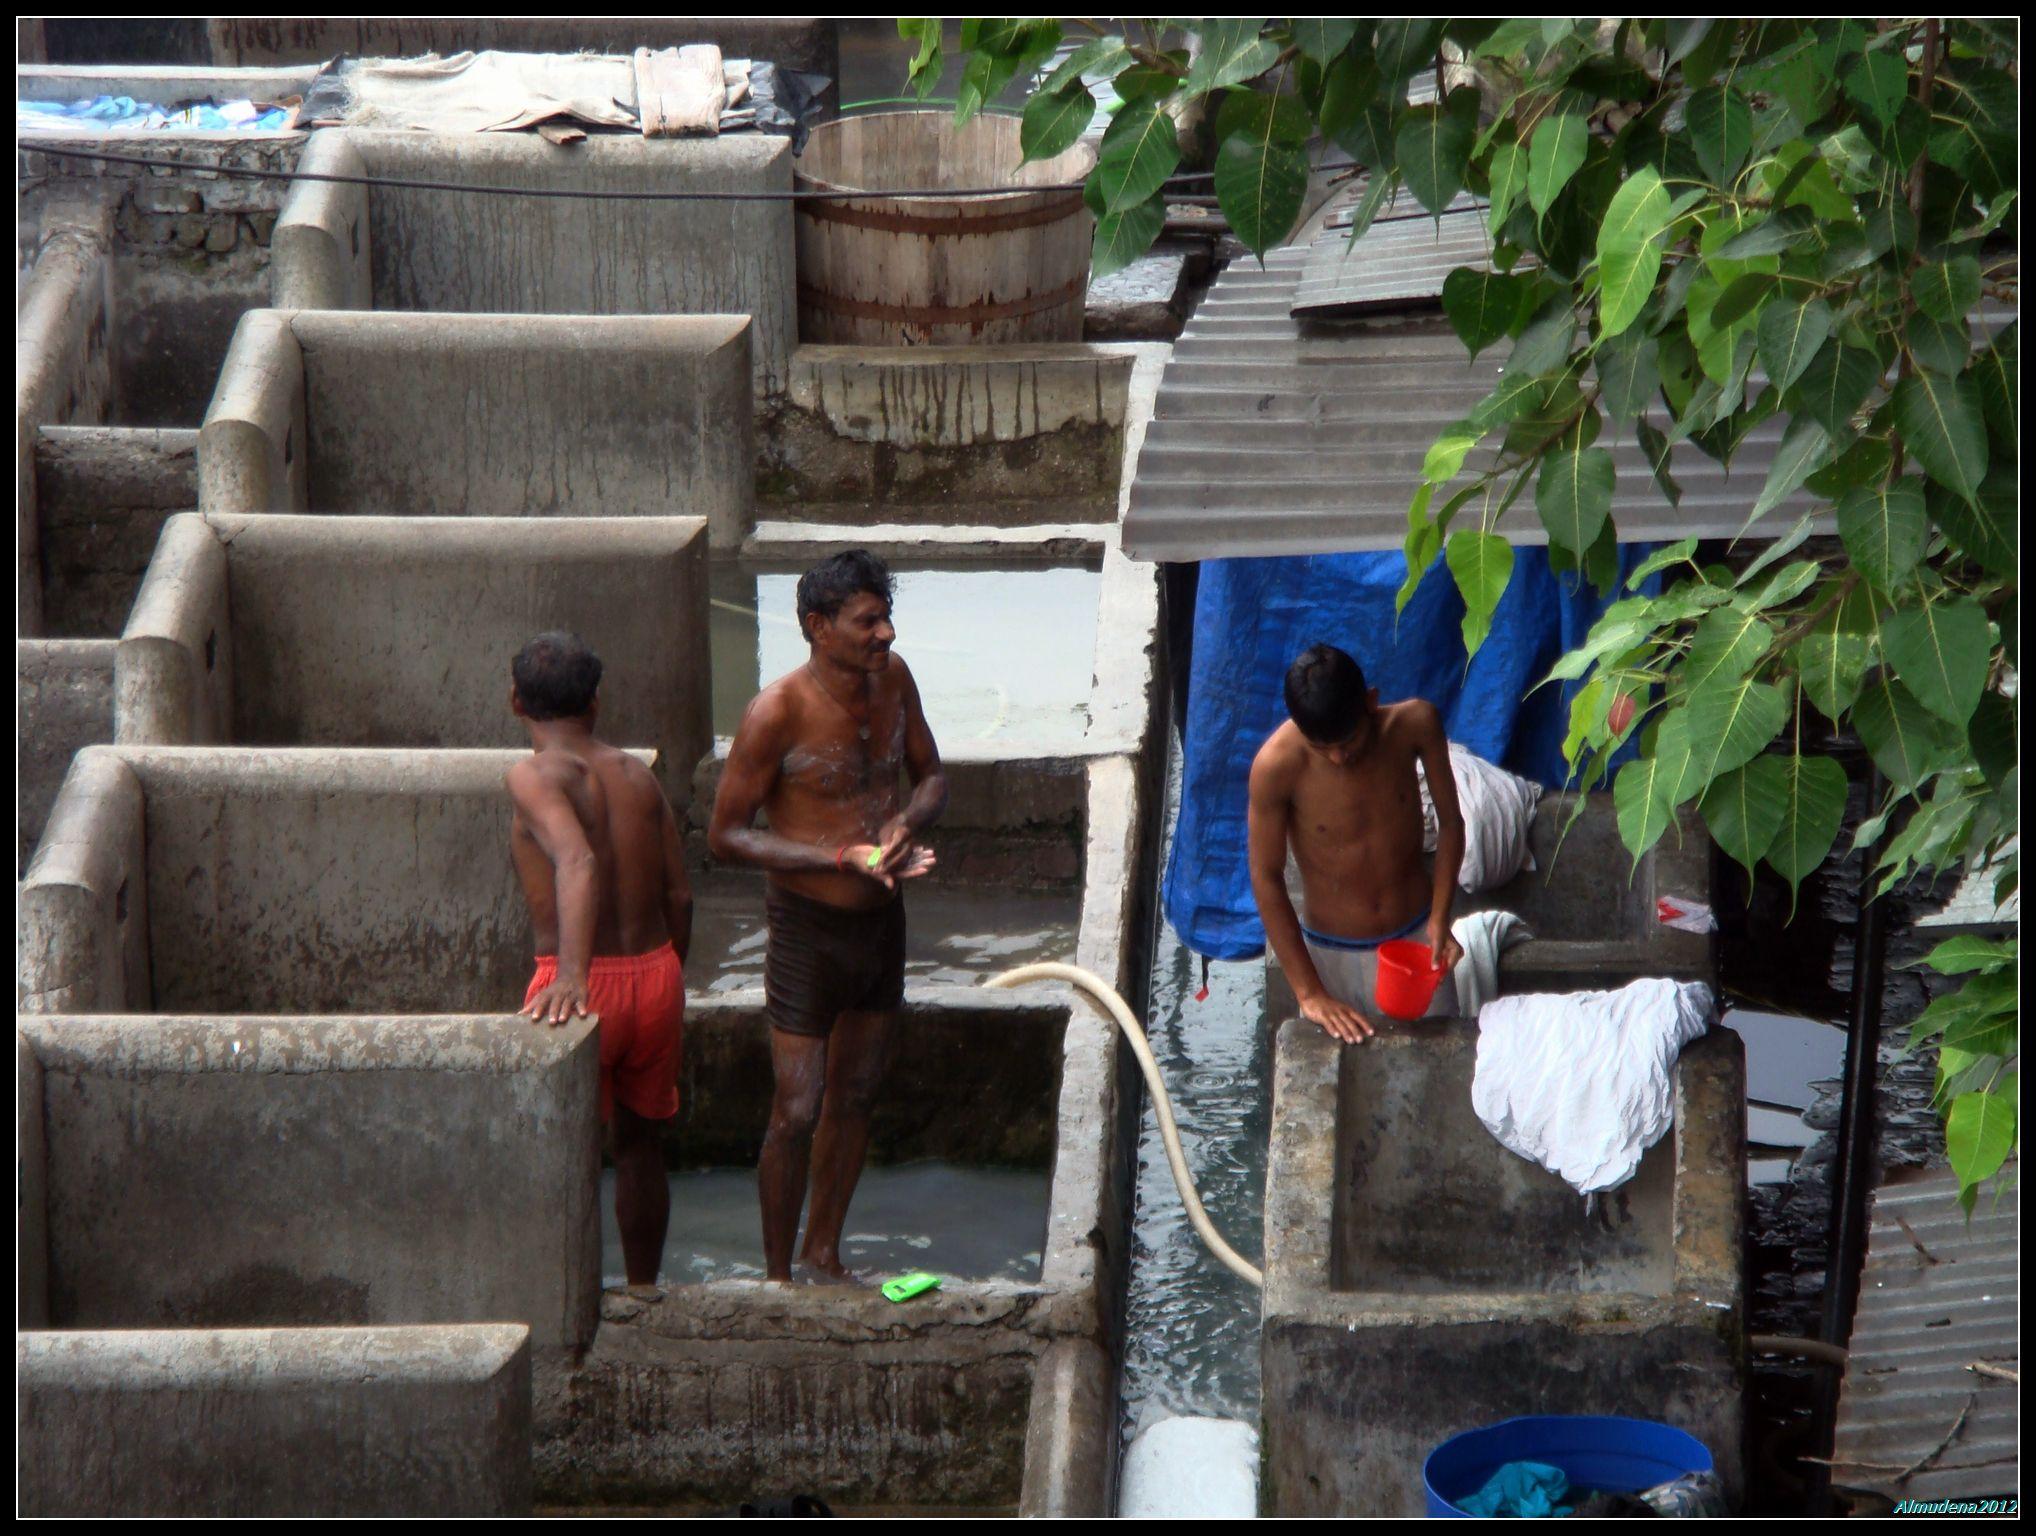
{"points": [[1528, 1490], [1498, 811], [1484, 937], [1580, 1082]]}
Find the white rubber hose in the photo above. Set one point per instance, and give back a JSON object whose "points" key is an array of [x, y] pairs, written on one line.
{"points": [[1104, 993]]}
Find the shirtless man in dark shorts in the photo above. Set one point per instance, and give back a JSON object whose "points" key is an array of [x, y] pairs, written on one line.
{"points": [[819, 753], [602, 865], [1337, 784]]}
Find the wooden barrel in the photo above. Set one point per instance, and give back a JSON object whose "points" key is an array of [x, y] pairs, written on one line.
{"points": [[1006, 267]]}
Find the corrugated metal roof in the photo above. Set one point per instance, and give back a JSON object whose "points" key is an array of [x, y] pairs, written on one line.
{"points": [[1402, 258], [1920, 1326], [1278, 436]]}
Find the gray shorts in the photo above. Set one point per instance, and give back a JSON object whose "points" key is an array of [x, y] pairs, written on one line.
{"points": [[1349, 975]]}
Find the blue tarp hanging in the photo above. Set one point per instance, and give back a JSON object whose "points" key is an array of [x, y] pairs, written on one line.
{"points": [[1253, 617]]}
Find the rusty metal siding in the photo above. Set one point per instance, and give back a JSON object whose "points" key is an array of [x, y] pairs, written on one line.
{"points": [[1921, 1325]]}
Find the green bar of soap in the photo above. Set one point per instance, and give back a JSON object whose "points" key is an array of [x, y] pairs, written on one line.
{"points": [[905, 1287], [876, 857]]}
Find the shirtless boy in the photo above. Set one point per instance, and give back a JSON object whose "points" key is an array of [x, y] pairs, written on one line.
{"points": [[598, 852], [819, 753], [1336, 783]]}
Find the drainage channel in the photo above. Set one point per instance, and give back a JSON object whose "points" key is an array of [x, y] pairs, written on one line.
{"points": [[1191, 1349]]}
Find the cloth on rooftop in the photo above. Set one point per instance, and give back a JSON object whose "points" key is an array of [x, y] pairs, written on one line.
{"points": [[1484, 937], [1581, 1082], [1498, 812], [1253, 617], [121, 114], [1529, 1490]]}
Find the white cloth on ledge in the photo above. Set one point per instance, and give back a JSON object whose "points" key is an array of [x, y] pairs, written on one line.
{"points": [[1583, 1082], [1498, 810]]}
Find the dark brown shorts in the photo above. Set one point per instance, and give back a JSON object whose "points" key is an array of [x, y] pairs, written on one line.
{"points": [[822, 961]]}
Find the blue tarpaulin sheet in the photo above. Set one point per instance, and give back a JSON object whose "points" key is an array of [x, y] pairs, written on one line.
{"points": [[1253, 617]]}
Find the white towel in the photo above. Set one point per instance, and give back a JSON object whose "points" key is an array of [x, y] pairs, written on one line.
{"points": [[1580, 1082], [1498, 810], [1484, 937]]}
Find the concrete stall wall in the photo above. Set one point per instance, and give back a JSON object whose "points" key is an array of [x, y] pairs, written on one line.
{"points": [[531, 416], [997, 436], [63, 699], [288, 1422], [244, 1172], [296, 882], [341, 246], [1381, 1342], [388, 631], [31, 1192], [102, 496]]}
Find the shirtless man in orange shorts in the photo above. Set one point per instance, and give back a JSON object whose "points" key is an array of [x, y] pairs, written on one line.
{"points": [[1336, 784], [820, 753], [602, 865]]}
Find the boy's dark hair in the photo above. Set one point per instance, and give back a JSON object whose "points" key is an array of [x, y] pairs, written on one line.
{"points": [[556, 675], [836, 579], [1326, 694]]}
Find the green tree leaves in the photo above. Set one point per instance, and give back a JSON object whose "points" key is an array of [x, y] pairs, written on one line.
{"points": [[1482, 564], [1940, 421], [1629, 250], [1573, 494], [1433, 151]]}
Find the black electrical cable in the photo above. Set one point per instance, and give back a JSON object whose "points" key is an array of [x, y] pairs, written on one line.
{"points": [[255, 173]]}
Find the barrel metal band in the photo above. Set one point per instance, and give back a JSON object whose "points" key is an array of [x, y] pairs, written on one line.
{"points": [[939, 314], [898, 222]]}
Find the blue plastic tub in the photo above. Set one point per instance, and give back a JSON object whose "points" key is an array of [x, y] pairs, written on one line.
{"points": [[1604, 1454]]}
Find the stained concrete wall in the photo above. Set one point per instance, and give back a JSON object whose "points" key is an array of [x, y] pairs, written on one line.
{"points": [[246, 880], [720, 1393], [799, 42], [31, 1192], [398, 632], [342, 246], [531, 416], [1014, 435], [63, 697], [228, 1172], [1368, 1365], [361, 1422], [102, 495], [975, 1079]]}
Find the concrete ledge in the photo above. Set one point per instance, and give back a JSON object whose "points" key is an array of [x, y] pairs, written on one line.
{"points": [[718, 1391], [63, 697], [391, 631], [225, 1172], [540, 415], [351, 247], [31, 1195], [914, 544], [361, 1422], [250, 880]]}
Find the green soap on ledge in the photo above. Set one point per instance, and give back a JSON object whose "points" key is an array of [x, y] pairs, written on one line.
{"points": [[905, 1287]]}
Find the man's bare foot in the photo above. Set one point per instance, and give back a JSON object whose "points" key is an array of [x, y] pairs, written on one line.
{"points": [[834, 1273]]}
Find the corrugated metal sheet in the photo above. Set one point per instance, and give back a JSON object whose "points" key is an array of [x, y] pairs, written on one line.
{"points": [[1402, 259], [1920, 1326], [1277, 436]]}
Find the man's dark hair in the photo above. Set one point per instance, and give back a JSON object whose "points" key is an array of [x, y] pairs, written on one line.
{"points": [[1326, 694], [836, 579], [556, 675]]}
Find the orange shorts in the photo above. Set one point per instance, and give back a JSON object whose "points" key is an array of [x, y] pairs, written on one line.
{"points": [[641, 1001]]}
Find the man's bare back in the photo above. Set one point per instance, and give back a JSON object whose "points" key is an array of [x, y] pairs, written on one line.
{"points": [[1348, 806], [628, 828]]}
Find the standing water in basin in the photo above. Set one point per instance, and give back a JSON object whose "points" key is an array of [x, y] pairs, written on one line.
{"points": [[1002, 657]]}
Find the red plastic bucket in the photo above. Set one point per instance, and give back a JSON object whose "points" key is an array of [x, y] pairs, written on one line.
{"points": [[1407, 978]]}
